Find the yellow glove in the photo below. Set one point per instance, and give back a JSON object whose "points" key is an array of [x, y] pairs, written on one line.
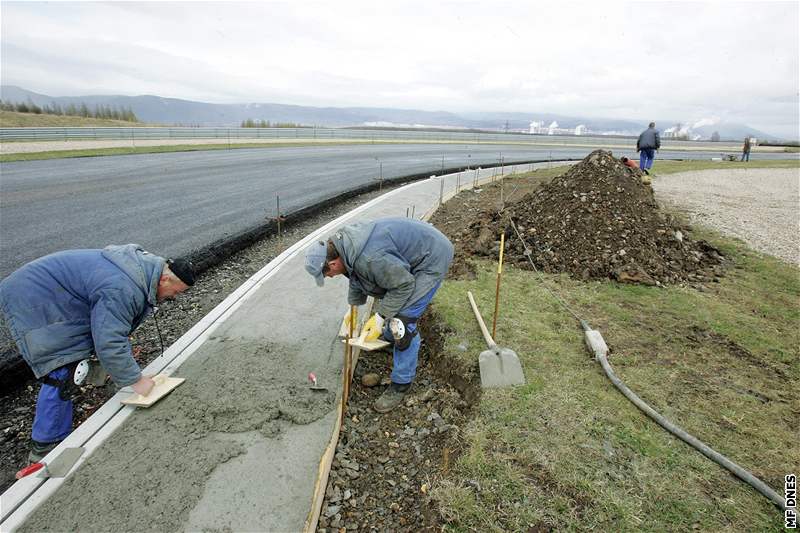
{"points": [[346, 320], [373, 328]]}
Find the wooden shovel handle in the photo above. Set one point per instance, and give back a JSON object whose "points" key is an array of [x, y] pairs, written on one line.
{"points": [[488, 338]]}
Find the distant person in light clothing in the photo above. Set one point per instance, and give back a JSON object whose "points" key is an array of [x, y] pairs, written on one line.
{"points": [[649, 141]]}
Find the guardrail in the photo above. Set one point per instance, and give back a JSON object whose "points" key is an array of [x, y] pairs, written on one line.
{"points": [[224, 134]]}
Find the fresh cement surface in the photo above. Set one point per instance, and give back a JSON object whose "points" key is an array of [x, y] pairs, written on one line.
{"points": [[238, 445]]}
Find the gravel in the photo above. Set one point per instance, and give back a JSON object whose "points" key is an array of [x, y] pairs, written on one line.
{"points": [[760, 206]]}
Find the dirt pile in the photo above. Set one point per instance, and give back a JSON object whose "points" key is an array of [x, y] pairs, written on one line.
{"points": [[598, 220]]}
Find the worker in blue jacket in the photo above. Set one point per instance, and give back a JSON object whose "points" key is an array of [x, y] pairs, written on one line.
{"points": [[399, 261], [648, 142], [64, 308]]}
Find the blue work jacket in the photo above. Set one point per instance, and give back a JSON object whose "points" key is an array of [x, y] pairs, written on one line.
{"points": [[65, 306], [396, 260]]}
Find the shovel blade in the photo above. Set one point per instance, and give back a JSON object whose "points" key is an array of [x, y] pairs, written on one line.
{"points": [[500, 367]]}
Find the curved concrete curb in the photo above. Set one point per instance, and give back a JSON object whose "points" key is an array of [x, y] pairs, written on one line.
{"points": [[242, 315]]}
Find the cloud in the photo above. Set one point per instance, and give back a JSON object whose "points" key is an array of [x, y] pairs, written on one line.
{"points": [[737, 62]]}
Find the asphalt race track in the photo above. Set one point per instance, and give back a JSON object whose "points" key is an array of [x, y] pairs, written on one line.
{"points": [[175, 203]]}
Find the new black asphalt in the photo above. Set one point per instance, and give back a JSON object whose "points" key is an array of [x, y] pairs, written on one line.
{"points": [[176, 203]]}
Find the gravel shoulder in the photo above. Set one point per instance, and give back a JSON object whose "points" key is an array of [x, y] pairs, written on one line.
{"points": [[759, 206]]}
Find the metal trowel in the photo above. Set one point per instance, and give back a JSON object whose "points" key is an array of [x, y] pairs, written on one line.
{"points": [[312, 378]]}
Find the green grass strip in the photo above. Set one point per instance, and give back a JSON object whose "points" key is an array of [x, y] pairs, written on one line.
{"points": [[568, 452]]}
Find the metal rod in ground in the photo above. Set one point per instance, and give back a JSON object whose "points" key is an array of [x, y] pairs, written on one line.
{"points": [[441, 191], [458, 183], [380, 186], [280, 237], [497, 289]]}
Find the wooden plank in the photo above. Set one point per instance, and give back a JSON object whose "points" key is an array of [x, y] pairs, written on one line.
{"points": [[164, 385], [368, 346], [327, 457]]}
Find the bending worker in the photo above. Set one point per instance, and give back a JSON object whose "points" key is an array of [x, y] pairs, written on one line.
{"points": [[400, 261], [65, 307]]}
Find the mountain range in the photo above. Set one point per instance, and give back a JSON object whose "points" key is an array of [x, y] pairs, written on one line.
{"points": [[174, 111]]}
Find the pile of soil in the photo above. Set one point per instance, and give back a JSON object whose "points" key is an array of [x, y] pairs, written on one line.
{"points": [[598, 220]]}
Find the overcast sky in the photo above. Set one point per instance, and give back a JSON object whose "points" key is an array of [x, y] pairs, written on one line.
{"points": [[689, 62]]}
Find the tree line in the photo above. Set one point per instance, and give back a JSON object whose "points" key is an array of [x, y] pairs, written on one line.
{"points": [[73, 110], [250, 123]]}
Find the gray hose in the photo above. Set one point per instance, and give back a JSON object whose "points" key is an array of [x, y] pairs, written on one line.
{"points": [[717, 457]]}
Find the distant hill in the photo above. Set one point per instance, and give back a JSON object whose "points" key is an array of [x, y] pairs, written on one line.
{"points": [[173, 111], [12, 119]]}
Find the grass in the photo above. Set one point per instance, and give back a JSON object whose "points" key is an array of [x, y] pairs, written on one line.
{"points": [[97, 152], [13, 119], [568, 451]]}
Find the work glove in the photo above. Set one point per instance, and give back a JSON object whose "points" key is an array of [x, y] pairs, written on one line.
{"points": [[373, 328]]}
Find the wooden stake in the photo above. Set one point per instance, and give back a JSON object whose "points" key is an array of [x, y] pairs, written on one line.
{"points": [[348, 361], [497, 290]]}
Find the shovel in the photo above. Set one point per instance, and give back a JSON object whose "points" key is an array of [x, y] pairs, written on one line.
{"points": [[500, 367]]}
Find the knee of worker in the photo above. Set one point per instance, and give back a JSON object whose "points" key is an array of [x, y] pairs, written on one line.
{"points": [[405, 362], [53, 419]]}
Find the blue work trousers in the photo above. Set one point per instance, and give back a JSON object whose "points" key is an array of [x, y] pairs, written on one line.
{"points": [[404, 367], [646, 156], [53, 419]]}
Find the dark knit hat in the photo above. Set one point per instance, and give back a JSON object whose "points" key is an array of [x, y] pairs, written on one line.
{"points": [[183, 269]]}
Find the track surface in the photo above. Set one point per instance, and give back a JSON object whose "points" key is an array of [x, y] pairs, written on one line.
{"points": [[175, 203]]}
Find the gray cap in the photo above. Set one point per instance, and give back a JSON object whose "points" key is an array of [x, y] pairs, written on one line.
{"points": [[316, 257]]}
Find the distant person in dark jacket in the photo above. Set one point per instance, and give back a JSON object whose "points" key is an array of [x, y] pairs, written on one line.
{"points": [[399, 261], [68, 306], [746, 149], [649, 141]]}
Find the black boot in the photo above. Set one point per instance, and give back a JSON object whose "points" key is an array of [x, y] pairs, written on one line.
{"points": [[40, 449], [391, 397]]}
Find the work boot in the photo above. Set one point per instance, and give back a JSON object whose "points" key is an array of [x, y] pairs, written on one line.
{"points": [[391, 397], [40, 449]]}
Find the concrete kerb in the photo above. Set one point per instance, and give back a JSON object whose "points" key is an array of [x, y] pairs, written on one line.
{"points": [[27, 494], [19, 498]]}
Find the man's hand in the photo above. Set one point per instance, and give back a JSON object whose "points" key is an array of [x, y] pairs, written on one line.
{"points": [[144, 385]]}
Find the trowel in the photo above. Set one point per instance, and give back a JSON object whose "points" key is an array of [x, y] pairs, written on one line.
{"points": [[312, 378]]}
